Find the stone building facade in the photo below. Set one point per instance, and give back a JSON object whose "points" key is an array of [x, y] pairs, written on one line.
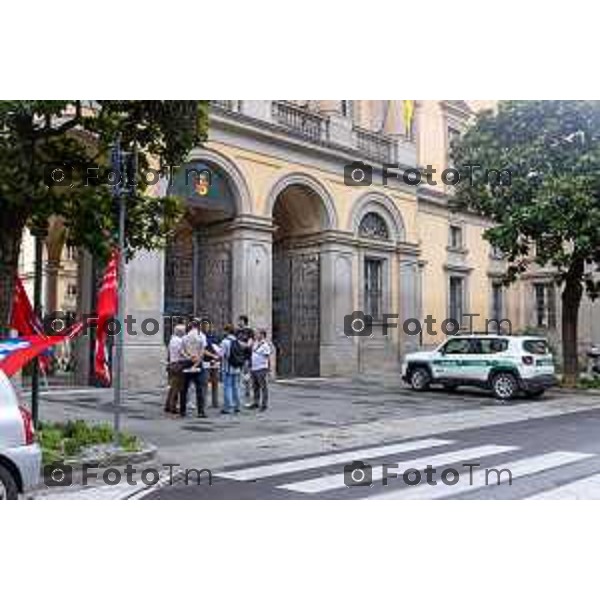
{"points": [[279, 235], [282, 237]]}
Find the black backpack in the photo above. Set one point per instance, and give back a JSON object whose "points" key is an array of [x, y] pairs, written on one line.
{"points": [[237, 354]]}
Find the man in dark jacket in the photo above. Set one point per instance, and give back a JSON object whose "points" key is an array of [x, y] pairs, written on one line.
{"points": [[211, 362], [245, 335]]}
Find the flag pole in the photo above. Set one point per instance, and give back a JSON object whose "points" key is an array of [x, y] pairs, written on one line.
{"points": [[38, 233], [119, 167]]}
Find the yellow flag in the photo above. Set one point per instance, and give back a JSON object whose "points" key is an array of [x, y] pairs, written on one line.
{"points": [[408, 112]]}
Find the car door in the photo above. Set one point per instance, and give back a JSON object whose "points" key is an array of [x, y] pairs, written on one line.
{"points": [[452, 361], [491, 353], [11, 430]]}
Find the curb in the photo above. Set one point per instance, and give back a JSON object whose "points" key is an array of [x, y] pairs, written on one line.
{"points": [[99, 491], [118, 458], [572, 390], [147, 454]]}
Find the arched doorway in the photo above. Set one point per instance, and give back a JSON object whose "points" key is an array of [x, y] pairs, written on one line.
{"points": [[299, 216], [198, 269]]}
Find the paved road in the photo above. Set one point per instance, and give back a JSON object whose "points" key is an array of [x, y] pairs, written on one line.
{"points": [[554, 457], [298, 449]]}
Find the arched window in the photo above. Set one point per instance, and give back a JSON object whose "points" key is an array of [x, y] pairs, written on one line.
{"points": [[373, 226]]}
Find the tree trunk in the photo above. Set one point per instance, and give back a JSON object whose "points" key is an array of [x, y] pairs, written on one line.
{"points": [[11, 230], [571, 299]]}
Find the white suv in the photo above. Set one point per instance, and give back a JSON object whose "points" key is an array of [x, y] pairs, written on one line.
{"points": [[505, 364], [20, 456]]}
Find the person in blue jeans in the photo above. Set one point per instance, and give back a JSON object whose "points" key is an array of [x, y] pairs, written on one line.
{"points": [[233, 357]]}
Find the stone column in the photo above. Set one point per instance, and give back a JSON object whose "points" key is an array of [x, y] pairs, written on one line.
{"points": [[55, 241], [52, 269], [410, 302], [252, 270], [338, 352], [144, 348], [85, 302]]}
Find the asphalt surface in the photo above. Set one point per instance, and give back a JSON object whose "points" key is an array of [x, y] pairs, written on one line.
{"points": [[543, 454], [299, 447]]}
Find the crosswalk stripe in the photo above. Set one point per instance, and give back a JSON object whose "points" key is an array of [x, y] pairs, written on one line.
{"points": [[518, 468], [332, 482], [587, 488], [324, 460]]}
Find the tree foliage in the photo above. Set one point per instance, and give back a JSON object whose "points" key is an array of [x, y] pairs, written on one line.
{"points": [[552, 204], [37, 135], [549, 211]]}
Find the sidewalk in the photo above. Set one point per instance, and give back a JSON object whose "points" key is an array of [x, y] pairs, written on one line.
{"points": [[306, 417], [296, 406]]}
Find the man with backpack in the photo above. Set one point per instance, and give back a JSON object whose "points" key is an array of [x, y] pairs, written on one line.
{"points": [[233, 353], [245, 334]]}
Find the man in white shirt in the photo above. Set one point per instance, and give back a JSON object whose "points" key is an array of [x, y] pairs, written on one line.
{"points": [[259, 369], [194, 344], [175, 369]]}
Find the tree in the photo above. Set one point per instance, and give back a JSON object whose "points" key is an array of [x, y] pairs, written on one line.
{"points": [[548, 208], [36, 136]]}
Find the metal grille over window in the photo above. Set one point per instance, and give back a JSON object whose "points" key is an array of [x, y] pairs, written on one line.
{"points": [[373, 287], [373, 226]]}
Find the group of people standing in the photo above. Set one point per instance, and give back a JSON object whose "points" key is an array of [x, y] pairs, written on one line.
{"points": [[199, 357]]}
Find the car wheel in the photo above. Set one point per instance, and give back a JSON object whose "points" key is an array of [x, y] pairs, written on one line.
{"points": [[420, 379], [504, 386], [8, 485]]}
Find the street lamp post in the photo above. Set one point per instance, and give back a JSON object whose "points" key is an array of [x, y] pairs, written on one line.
{"points": [[38, 233], [124, 165], [117, 165]]}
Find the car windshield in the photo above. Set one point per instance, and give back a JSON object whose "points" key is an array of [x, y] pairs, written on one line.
{"points": [[535, 346]]}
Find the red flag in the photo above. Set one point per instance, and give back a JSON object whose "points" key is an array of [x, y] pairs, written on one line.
{"points": [[15, 353], [24, 319], [107, 309]]}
